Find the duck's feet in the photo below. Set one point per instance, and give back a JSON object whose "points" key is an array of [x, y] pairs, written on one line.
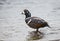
{"points": [[37, 31], [35, 35]]}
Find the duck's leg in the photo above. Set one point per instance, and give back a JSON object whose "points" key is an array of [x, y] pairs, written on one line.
{"points": [[37, 30]]}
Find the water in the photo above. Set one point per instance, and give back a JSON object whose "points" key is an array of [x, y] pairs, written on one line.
{"points": [[13, 27]]}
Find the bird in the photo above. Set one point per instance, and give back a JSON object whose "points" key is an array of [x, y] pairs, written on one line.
{"points": [[34, 22]]}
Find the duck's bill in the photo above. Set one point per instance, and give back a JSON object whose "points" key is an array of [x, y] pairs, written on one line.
{"points": [[23, 13]]}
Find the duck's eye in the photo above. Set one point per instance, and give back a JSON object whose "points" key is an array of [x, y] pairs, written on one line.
{"points": [[27, 12]]}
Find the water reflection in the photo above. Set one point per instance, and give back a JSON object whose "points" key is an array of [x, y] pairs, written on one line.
{"points": [[0, 7], [2, 2], [34, 36], [55, 40], [5, 4]]}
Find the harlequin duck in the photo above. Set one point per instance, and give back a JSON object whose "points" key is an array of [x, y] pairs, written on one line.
{"points": [[34, 22]]}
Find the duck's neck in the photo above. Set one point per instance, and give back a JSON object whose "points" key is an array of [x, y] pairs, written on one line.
{"points": [[28, 15]]}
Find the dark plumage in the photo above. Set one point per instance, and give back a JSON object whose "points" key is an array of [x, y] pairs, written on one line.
{"points": [[34, 22]]}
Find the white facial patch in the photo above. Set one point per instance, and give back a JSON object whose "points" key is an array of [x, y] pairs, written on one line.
{"points": [[29, 21], [23, 12]]}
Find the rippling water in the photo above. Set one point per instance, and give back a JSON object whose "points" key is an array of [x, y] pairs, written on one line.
{"points": [[13, 27]]}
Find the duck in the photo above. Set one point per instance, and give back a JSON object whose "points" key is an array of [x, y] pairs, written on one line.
{"points": [[34, 22]]}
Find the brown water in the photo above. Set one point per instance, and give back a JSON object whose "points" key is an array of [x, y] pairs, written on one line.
{"points": [[13, 27]]}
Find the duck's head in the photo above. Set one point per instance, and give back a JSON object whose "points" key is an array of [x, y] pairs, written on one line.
{"points": [[26, 13]]}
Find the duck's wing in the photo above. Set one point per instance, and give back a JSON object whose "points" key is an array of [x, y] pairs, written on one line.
{"points": [[34, 20]]}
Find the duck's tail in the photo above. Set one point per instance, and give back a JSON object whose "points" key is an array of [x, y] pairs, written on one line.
{"points": [[48, 26]]}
